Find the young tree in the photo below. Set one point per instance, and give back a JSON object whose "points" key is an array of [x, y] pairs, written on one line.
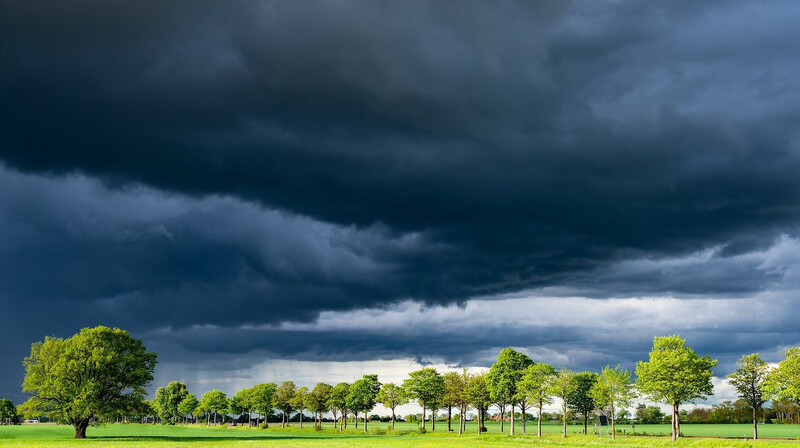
{"points": [[453, 394], [426, 386], [392, 396], [337, 402], [613, 390], [8, 413], [535, 384], [317, 401], [214, 401], [188, 406], [94, 374], [239, 404], [581, 399], [299, 402], [504, 377], [463, 401], [749, 380], [561, 386], [362, 396], [479, 397], [675, 374], [168, 399], [261, 400], [282, 399]]}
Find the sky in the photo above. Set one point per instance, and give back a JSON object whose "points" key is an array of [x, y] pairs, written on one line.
{"points": [[311, 191]]}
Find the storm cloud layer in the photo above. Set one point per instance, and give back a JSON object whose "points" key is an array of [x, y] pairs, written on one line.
{"points": [[217, 176]]}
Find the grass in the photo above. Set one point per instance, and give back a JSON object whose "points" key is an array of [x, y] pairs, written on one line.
{"points": [[156, 436]]}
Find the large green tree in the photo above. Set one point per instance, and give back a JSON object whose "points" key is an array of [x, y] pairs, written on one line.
{"points": [[392, 396], [535, 384], [453, 394], [749, 380], [561, 386], [504, 377], [426, 386], [362, 395], [95, 374], [581, 400], [337, 402], [613, 390], [675, 374], [168, 399], [261, 396], [282, 399], [317, 401], [240, 403]]}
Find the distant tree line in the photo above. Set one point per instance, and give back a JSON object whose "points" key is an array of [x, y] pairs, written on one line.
{"points": [[70, 383]]}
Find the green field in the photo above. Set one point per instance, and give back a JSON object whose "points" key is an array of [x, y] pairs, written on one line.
{"points": [[134, 435]]}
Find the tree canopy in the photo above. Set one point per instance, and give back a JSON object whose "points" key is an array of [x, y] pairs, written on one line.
{"points": [[504, 377], [98, 373], [168, 398], [426, 386], [675, 374], [581, 399]]}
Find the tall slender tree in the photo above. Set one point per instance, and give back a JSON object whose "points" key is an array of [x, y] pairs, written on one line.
{"points": [[675, 374], [261, 396], [282, 399], [337, 402], [613, 390], [561, 386], [581, 400], [214, 401], [426, 386], [391, 396], [453, 394], [504, 377], [298, 402], [477, 393], [535, 384], [188, 407], [363, 393], [749, 379], [317, 401]]}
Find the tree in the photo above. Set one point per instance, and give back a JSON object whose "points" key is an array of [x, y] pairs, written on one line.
{"points": [[283, 400], [317, 401], [361, 397], [479, 397], [261, 396], [188, 406], [337, 402], [675, 374], [613, 390], [168, 399], [213, 401], [581, 399], [561, 386], [92, 375], [240, 403], [453, 394], [299, 402], [784, 380], [426, 386], [749, 381], [504, 377], [391, 396], [8, 413], [535, 384]]}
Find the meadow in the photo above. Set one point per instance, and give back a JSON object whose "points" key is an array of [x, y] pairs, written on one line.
{"points": [[190, 436]]}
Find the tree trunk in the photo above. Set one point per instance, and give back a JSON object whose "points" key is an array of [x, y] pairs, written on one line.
{"points": [[433, 420], [522, 409], [301, 419], [585, 422], [539, 421], [755, 423], [502, 417], [80, 428], [564, 417], [480, 422], [344, 419], [423, 418], [392, 418], [449, 417], [356, 418], [675, 425], [365, 422], [613, 422], [512, 418]]}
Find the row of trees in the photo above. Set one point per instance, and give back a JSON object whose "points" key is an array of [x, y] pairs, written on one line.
{"points": [[100, 374]]}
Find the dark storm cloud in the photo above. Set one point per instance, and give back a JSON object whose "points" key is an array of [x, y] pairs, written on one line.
{"points": [[541, 140]]}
